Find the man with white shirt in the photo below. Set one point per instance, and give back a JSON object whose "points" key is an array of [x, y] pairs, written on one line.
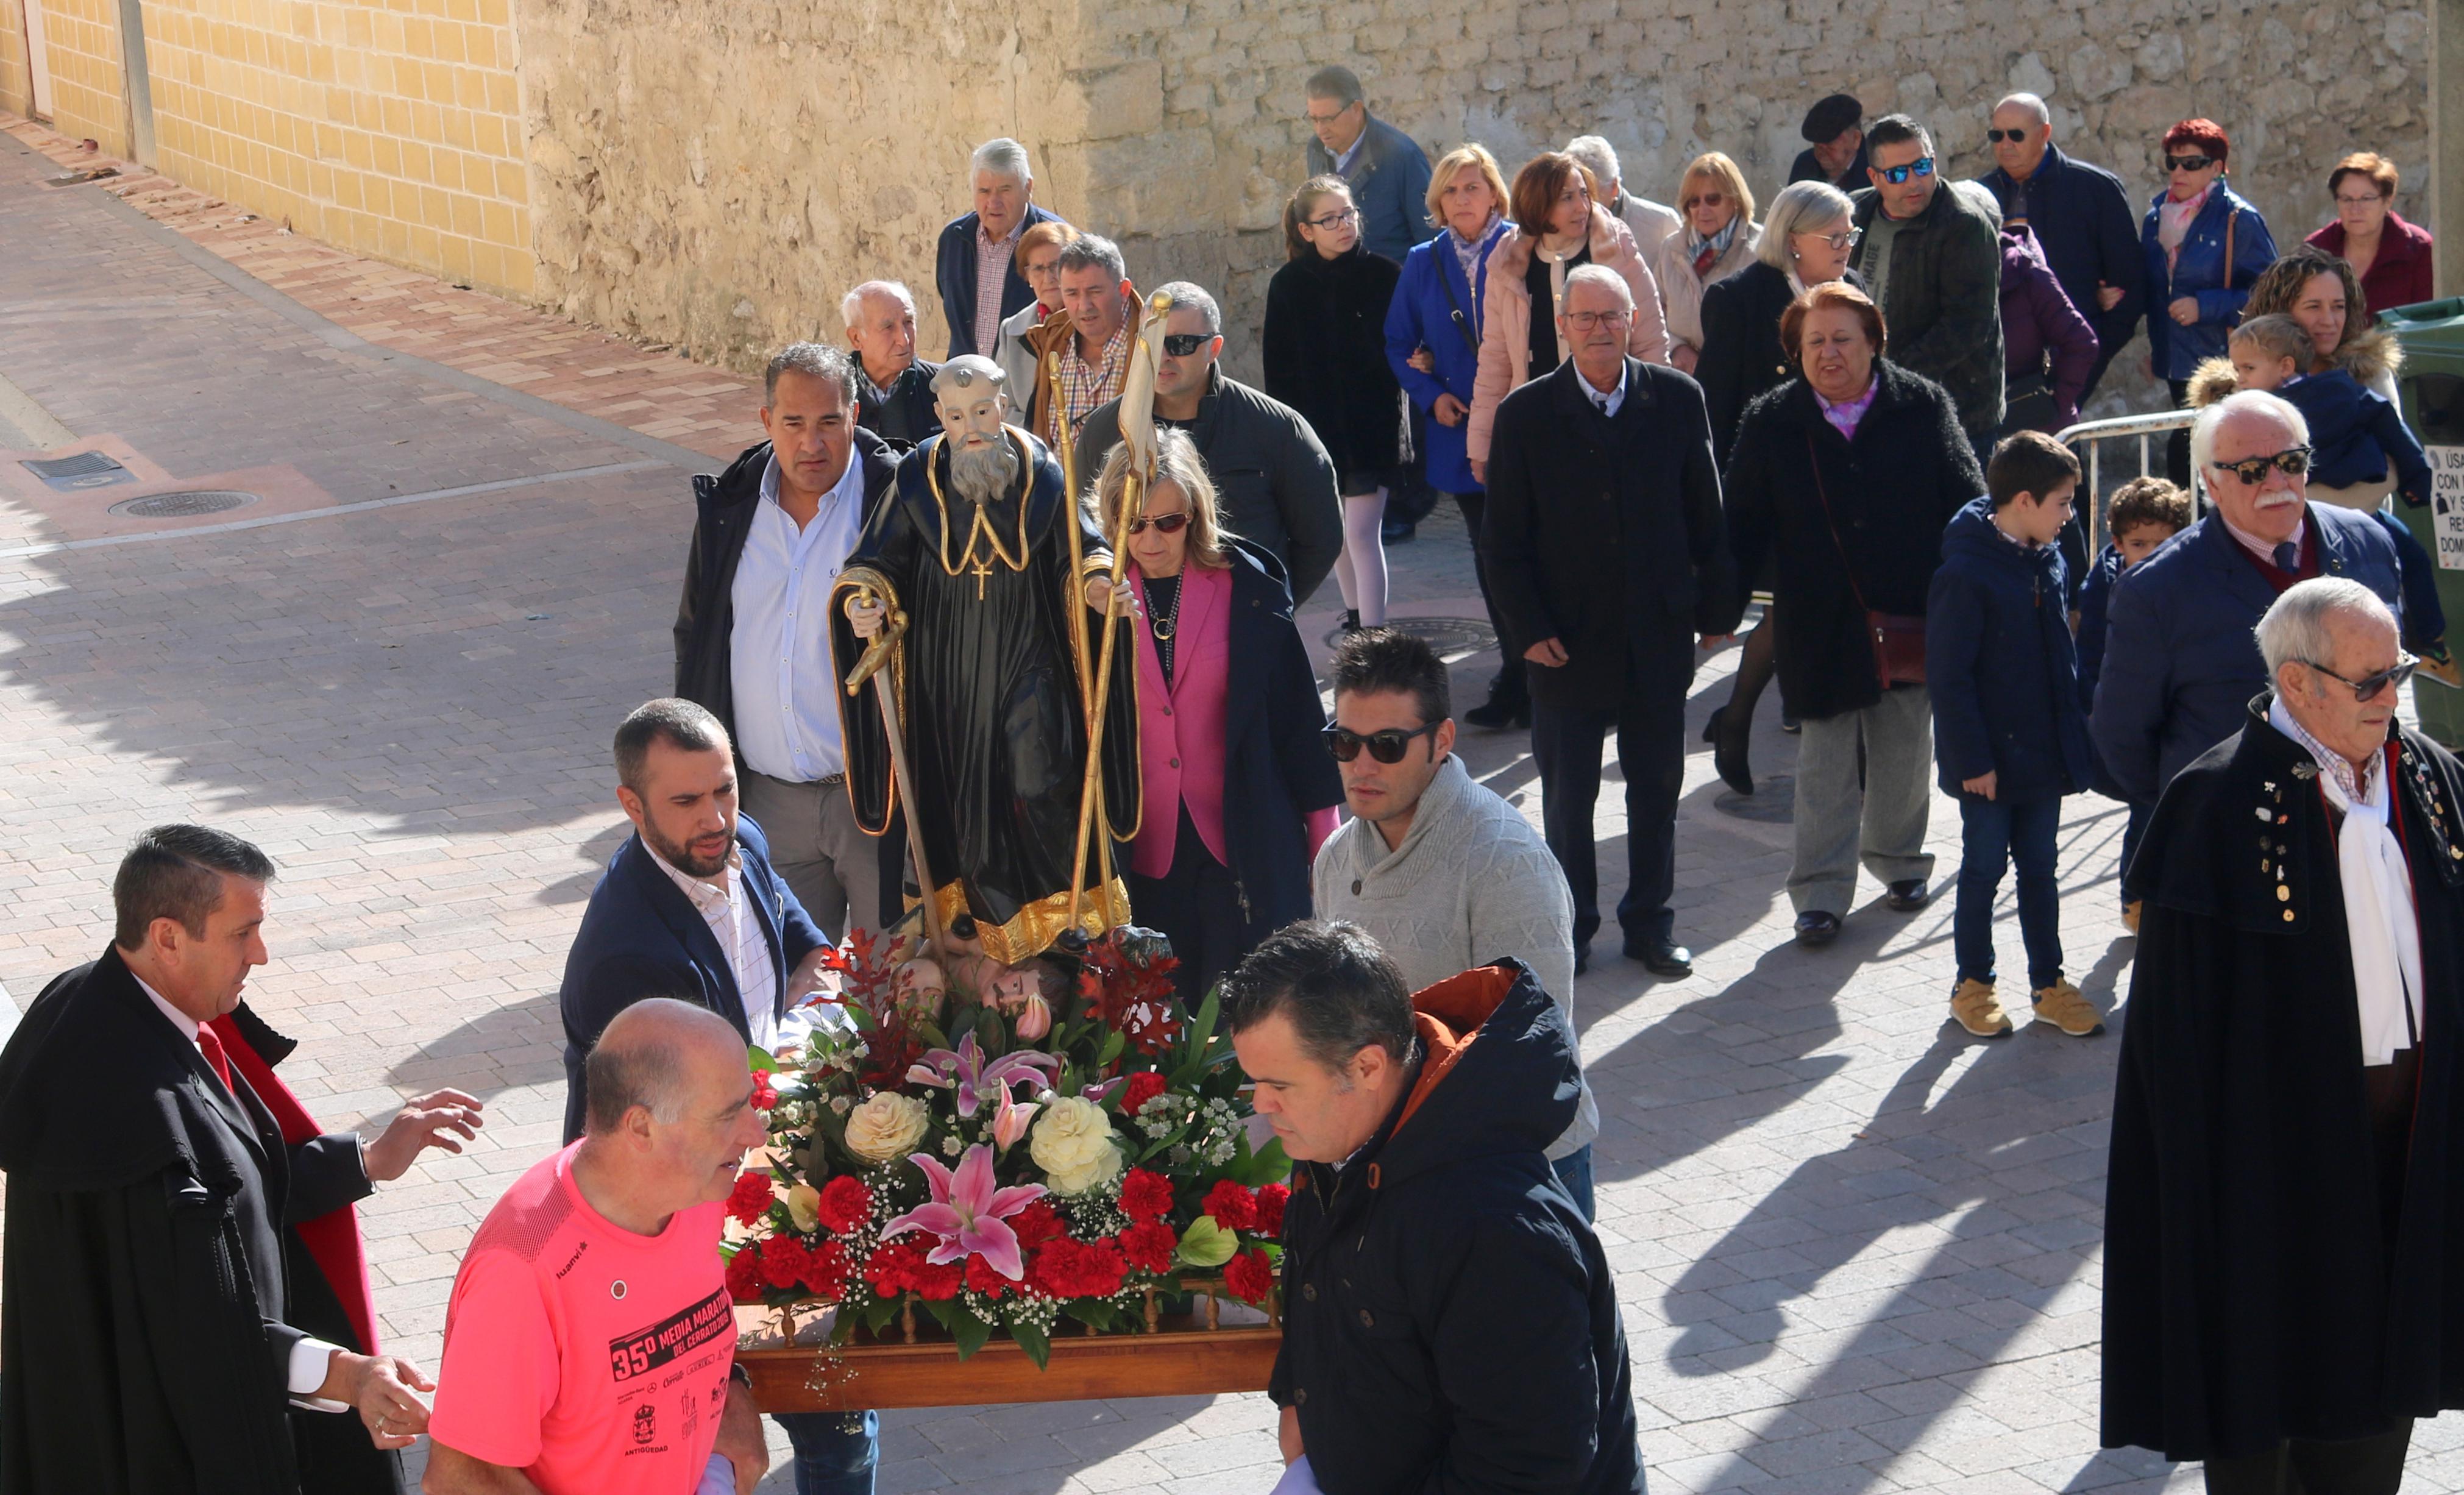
{"points": [[770, 537], [155, 1335]]}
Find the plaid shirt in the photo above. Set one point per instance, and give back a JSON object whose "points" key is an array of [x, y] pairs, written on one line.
{"points": [[2357, 786], [992, 270], [1084, 386]]}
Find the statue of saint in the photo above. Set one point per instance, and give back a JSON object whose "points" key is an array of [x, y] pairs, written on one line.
{"points": [[971, 574]]}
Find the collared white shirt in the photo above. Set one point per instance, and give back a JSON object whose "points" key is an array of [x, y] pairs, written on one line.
{"points": [[1610, 402], [311, 1357], [727, 907], [1343, 162], [2264, 551], [779, 648]]}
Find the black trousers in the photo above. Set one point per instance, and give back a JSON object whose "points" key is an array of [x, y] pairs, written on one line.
{"points": [[1648, 719], [2300, 1466], [1197, 907], [1508, 689]]}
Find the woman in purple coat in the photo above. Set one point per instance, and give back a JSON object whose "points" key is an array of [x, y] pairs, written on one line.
{"points": [[2048, 348]]}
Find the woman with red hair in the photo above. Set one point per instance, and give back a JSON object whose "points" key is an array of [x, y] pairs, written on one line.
{"points": [[2206, 245]]}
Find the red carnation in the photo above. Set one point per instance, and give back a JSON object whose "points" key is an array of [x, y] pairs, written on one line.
{"points": [[982, 1278], [744, 1274], [1036, 1225], [847, 1204], [1145, 1194], [1271, 1200], [749, 1199], [785, 1261], [765, 1095], [934, 1284], [1234, 1207], [1149, 1246], [1143, 1087], [826, 1270], [892, 1268], [1067, 1269], [1249, 1277]]}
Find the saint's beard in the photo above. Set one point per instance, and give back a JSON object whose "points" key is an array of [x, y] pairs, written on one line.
{"points": [[983, 475]]}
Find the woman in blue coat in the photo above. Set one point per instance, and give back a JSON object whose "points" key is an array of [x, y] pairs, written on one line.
{"points": [[1433, 327], [2206, 245]]}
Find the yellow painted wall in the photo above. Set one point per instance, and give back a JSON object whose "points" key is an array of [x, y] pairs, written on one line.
{"points": [[392, 128], [87, 100], [15, 93]]}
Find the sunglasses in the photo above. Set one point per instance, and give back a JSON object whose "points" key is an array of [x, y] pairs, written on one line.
{"points": [[2188, 162], [1164, 523], [2368, 686], [1181, 344], [1922, 167], [2292, 462], [1387, 746], [1704, 200], [2014, 136]]}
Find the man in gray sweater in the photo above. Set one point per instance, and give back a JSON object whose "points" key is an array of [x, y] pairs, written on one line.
{"points": [[1441, 871]]}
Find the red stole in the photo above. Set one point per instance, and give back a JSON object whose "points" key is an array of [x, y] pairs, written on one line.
{"points": [[332, 1240]]}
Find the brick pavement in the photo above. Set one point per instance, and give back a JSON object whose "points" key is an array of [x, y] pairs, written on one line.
{"points": [[1857, 1253]]}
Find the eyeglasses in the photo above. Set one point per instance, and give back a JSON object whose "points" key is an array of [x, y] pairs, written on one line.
{"points": [[1845, 240], [1316, 119], [2014, 136], [1181, 344], [2368, 686], [2292, 462], [2371, 201], [1387, 746], [1164, 523], [2188, 162], [1585, 321], [1922, 167], [1334, 220]]}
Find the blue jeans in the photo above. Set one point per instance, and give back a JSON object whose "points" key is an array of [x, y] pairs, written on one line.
{"points": [[836, 1452], [1994, 835], [1574, 1175]]}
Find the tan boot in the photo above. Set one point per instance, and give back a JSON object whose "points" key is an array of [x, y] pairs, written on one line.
{"points": [[2061, 1006], [2130, 916], [1978, 1010]]}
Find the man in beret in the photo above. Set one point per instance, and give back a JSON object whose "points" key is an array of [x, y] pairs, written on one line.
{"points": [[1835, 129]]}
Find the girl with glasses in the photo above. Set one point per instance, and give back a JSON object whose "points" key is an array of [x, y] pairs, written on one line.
{"points": [[2205, 246]]}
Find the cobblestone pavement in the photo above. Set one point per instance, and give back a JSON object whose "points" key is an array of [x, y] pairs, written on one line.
{"points": [[1856, 1251]]}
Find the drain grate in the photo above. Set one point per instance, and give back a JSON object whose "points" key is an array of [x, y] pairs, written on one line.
{"points": [[1451, 637], [82, 469], [192, 504], [1774, 801]]}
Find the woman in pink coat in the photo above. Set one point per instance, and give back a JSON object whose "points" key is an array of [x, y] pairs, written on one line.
{"points": [[1557, 227]]}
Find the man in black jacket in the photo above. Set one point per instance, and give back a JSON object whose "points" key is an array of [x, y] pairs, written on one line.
{"points": [[752, 632], [1605, 547], [151, 1345], [2080, 214], [1450, 1322], [894, 401], [1273, 477], [1932, 255]]}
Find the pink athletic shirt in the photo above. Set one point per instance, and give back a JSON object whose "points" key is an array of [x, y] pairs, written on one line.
{"points": [[590, 1358]]}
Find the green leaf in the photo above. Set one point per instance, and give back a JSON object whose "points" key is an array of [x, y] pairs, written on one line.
{"points": [[761, 1059], [992, 1032], [1114, 1042], [969, 1332], [881, 1314], [1269, 1165], [1095, 1314], [1206, 1244], [946, 1313], [1170, 1139], [862, 1019], [1201, 1027], [1032, 1340], [933, 1036]]}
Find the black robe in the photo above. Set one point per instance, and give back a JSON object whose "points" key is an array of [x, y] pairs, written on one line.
{"points": [[996, 728], [145, 1297], [2285, 1229]]}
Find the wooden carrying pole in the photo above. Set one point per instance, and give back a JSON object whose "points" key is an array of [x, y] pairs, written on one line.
{"points": [[875, 666], [1067, 442]]}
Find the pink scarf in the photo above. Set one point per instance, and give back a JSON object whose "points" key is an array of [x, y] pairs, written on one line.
{"points": [[2174, 223]]}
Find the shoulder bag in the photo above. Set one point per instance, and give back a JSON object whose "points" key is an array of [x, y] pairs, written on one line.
{"points": [[1898, 640]]}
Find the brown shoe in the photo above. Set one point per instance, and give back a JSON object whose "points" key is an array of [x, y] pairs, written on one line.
{"points": [[2061, 1006], [2130, 916], [1979, 1011]]}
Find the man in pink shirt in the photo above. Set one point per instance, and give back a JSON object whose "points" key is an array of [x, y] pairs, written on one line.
{"points": [[589, 1340]]}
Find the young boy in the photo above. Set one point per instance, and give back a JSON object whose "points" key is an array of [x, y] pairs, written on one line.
{"points": [[2009, 733], [2355, 436], [2145, 512]]}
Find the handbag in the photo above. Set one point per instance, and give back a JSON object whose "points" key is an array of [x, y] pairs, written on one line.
{"points": [[1898, 639]]}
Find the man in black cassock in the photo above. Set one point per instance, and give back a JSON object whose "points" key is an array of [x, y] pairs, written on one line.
{"points": [[151, 1300], [2284, 1216], [975, 554]]}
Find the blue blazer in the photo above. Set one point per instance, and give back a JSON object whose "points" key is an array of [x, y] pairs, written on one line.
{"points": [[2201, 271], [641, 937], [1390, 186], [1421, 315], [2001, 667], [954, 272], [2181, 661]]}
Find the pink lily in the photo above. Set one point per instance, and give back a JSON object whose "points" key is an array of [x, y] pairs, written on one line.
{"points": [[1010, 1119], [968, 1214], [966, 1073]]}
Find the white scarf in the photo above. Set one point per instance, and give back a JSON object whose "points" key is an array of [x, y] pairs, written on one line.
{"points": [[2378, 918]]}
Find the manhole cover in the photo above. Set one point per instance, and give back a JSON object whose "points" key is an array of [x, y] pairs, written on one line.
{"points": [[1451, 637], [185, 506], [1774, 801], [80, 470]]}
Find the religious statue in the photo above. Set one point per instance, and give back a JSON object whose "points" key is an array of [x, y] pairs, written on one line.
{"points": [[977, 592]]}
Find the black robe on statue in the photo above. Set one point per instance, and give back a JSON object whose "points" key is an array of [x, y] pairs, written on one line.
{"points": [[2285, 1229], [994, 722]]}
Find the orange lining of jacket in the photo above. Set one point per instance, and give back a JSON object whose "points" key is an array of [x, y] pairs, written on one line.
{"points": [[1447, 1016]]}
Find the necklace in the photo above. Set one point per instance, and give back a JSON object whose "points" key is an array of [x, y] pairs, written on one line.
{"points": [[1165, 620]]}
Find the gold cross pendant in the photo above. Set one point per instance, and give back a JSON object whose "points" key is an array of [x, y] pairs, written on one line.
{"points": [[982, 569]]}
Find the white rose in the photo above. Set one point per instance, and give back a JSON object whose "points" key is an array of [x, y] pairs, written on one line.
{"points": [[1073, 1144], [886, 1127]]}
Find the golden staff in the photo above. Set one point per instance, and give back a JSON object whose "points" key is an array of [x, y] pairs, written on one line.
{"points": [[872, 666], [1065, 439]]}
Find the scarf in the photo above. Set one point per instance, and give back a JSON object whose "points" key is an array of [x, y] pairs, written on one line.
{"points": [[1707, 252], [2174, 223], [2379, 916], [1469, 252]]}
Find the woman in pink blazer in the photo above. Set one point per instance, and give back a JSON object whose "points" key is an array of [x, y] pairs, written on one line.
{"points": [[1238, 789]]}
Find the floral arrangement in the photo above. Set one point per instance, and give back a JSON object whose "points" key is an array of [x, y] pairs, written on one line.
{"points": [[1002, 1148]]}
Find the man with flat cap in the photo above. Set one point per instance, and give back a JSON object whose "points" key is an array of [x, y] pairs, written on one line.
{"points": [[1835, 129]]}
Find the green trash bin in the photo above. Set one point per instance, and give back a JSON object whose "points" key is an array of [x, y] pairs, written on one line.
{"points": [[2433, 390]]}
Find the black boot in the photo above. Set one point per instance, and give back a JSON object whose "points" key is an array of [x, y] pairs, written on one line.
{"points": [[1508, 703], [1352, 620]]}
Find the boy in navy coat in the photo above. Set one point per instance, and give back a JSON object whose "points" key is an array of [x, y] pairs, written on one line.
{"points": [[2009, 733]]}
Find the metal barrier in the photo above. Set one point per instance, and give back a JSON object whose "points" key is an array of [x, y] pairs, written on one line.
{"points": [[2094, 433]]}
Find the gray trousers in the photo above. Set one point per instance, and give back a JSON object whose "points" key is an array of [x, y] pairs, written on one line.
{"points": [[1884, 821], [832, 867]]}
